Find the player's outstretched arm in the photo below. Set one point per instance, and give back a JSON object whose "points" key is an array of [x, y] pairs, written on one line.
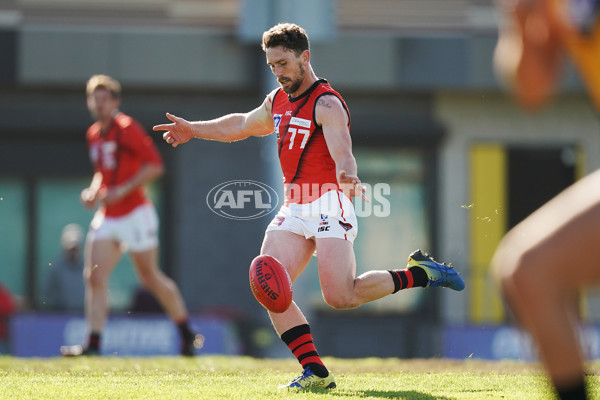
{"points": [[228, 128]]}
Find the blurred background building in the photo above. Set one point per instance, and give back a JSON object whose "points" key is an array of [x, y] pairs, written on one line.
{"points": [[428, 118]]}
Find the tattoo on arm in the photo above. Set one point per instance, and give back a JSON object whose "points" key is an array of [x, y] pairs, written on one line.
{"points": [[323, 102]]}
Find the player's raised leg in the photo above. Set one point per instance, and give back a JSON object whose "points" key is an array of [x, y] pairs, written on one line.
{"points": [[342, 289], [294, 252], [337, 271]]}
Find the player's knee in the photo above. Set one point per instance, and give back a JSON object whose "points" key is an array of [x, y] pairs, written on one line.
{"points": [[501, 263], [340, 301], [508, 262], [94, 279], [526, 271], [520, 277]]}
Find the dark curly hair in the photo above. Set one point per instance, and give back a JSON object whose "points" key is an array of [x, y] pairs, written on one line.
{"points": [[290, 36]]}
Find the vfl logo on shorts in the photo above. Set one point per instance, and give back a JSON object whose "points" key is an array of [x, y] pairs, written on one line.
{"points": [[323, 220], [242, 199]]}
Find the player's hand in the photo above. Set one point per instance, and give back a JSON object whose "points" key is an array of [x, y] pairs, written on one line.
{"points": [[179, 132], [351, 186], [88, 198]]}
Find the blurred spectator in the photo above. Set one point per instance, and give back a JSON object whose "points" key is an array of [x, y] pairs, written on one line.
{"points": [[64, 289], [8, 306]]}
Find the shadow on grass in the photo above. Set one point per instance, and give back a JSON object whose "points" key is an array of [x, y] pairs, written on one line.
{"points": [[385, 394]]}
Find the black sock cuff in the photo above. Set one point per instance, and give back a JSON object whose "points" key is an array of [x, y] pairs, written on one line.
{"points": [[400, 279], [294, 333], [94, 341], [396, 279], [185, 330], [576, 390]]}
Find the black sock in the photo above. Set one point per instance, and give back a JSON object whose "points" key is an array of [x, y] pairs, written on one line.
{"points": [[185, 331], [573, 392], [420, 276], [94, 341], [408, 278], [319, 370], [300, 342]]}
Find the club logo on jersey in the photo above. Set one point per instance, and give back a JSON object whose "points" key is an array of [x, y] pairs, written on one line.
{"points": [[304, 123], [242, 199]]}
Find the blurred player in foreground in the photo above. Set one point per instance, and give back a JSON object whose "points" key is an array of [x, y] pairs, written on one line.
{"points": [[548, 258], [312, 123], [124, 159]]}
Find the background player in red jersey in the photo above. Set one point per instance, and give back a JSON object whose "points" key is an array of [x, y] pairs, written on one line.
{"points": [[312, 123], [544, 262], [124, 159]]}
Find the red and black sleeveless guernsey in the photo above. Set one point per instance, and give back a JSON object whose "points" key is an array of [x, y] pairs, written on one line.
{"points": [[308, 168], [118, 155]]}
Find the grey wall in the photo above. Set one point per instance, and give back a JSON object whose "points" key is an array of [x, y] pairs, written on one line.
{"points": [[193, 58]]}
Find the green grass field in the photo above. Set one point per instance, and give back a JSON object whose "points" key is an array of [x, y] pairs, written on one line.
{"points": [[216, 377]]}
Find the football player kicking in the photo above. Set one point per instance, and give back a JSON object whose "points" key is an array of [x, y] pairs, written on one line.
{"points": [[311, 121]]}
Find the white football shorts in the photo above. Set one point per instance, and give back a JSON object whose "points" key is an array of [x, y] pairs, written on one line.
{"points": [[331, 215], [136, 231]]}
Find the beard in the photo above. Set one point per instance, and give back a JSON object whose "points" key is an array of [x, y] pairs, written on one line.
{"points": [[295, 85]]}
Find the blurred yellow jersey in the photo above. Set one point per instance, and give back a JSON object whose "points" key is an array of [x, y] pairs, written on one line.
{"points": [[582, 41]]}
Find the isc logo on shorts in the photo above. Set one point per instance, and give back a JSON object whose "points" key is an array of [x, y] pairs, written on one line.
{"points": [[242, 199]]}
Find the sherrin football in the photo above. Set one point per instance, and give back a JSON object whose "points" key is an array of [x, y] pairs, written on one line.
{"points": [[270, 283]]}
